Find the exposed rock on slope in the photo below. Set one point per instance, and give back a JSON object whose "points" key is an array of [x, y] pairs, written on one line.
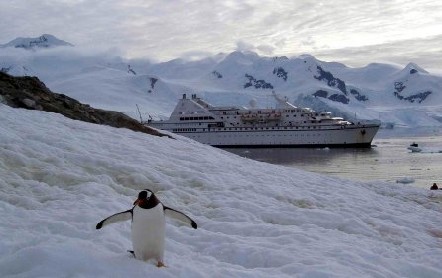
{"points": [[30, 93]]}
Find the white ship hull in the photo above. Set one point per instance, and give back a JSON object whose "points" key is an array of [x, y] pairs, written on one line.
{"points": [[232, 127], [353, 136]]}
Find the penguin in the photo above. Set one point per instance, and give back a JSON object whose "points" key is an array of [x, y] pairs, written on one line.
{"points": [[148, 225]]}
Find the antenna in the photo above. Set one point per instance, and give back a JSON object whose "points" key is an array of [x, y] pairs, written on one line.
{"points": [[141, 119]]}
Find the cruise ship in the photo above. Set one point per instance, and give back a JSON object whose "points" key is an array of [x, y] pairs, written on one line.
{"points": [[284, 126]]}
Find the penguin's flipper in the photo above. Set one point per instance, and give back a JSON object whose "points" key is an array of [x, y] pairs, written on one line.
{"points": [[179, 216], [118, 217]]}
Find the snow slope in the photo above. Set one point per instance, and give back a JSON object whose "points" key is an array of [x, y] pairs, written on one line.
{"points": [[60, 177]]}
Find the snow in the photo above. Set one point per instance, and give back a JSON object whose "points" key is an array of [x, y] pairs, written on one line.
{"points": [[60, 177], [44, 41], [103, 80]]}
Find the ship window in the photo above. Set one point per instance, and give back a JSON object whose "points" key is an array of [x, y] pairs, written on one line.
{"points": [[186, 118], [181, 118]]}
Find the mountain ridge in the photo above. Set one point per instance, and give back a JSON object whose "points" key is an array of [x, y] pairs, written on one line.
{"points": [[375, 91], [43, 41]]}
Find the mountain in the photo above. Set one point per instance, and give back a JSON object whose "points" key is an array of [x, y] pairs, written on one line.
{"points": [[376, 91], [43, 41]]}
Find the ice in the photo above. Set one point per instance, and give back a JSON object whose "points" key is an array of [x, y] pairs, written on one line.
{"points": [[405, 180]]}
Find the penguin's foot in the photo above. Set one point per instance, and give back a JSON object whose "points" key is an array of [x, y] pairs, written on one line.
{"points": [[160, 264]]}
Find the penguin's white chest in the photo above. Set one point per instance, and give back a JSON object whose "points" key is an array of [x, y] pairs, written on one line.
{"points": [[148, 233]]}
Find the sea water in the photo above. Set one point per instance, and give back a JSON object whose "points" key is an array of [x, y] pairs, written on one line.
{"points": [[387, 160]]}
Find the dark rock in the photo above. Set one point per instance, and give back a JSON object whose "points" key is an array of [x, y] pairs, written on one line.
{"points": [[217, 74], [331, 80], [321, 93], [152, 84], [30, 93], [399, 86], [419, 97], [130, 70], [358, 95], [280, 58], [280, 72], [339, 98], [258, 84]]}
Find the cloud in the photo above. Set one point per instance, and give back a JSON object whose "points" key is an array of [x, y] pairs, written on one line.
{"points": [[244, 46], [168, 29], [400, 52]]}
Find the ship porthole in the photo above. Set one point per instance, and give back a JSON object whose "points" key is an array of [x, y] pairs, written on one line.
{"points": [[363, 132]]}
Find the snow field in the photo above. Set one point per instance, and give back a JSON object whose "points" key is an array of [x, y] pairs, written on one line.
{"points": [[60, 177]]}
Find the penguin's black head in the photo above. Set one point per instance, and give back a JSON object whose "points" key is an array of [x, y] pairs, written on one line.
{"points": [[143, 196]]}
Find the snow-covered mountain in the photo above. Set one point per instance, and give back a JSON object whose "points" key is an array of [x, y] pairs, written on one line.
{"points": [[43, 41], [376, 91]]}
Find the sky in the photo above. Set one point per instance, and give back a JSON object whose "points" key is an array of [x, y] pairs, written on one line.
{"points": [[349, 31]]}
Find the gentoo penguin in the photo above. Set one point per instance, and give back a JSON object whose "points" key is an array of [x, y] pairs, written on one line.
{"points": [[148, 225]]}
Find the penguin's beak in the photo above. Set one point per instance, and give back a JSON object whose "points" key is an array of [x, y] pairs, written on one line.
{"points": [[136, 202]]}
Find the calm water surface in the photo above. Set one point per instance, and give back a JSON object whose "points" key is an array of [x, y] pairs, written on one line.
{"points": [[388, 160]]}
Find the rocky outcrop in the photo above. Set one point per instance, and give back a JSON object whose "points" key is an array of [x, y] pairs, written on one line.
{"points": [[153, 80], [330, 79], [280, 72], [419, 97], [358, 95], [30, 93], [336, 83], [217, 74], [258, 84]]}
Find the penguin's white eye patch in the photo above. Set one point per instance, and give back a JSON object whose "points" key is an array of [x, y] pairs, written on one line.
{"points": [[148, 194]]}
